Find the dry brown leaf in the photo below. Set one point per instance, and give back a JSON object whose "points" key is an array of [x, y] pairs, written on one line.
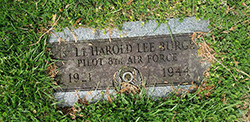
{"points": [[232, 29], [236, 62], [108, 95], [80, 115], [203, 52], [229, 30], [109, 99], [107, 91], [54, 17], [128, 88], [193, 36], [213, 37], [77, 21], [52, 70], [67, 6], [193, 87], [244, 4], [61, 10], [248, 114], [83, 101], [72, 115], [227, 9], [224, 32], [173, 118], [200, 34], [129, 2]]}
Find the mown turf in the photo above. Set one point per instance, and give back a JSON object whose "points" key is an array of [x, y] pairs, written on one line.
{"points": [[26, 90]]}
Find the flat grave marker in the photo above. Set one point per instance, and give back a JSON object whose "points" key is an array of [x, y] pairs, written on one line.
{"points": [[137, 55]]}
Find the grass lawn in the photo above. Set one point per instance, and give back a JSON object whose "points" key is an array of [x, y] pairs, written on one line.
{"points": [[26, 88]]}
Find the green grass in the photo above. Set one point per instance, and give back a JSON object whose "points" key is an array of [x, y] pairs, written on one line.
{"points": [[26, 90]]}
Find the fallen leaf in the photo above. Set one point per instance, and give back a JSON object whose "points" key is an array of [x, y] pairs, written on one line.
{"points": [[72, 116], [129, 2], [52, 70], [77, 21], [107, 91], [213, 37], [193, 36], [109, 99], [54, 17], [229, 30], [61, 10], [236, 62], [67, 6], [232, 29], [224, 32], [248, 115], [80, 115], [227, 9], [244, 4]]}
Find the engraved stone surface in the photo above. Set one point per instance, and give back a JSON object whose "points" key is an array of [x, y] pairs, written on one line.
{"points": [[137, 55], [90, 65]]}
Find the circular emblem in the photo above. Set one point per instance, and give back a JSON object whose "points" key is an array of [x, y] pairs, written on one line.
{"points": [[127, 79]]}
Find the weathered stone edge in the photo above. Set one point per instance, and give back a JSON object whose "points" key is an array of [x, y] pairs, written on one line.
{"points": [[70, 98], [134, 29]]}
